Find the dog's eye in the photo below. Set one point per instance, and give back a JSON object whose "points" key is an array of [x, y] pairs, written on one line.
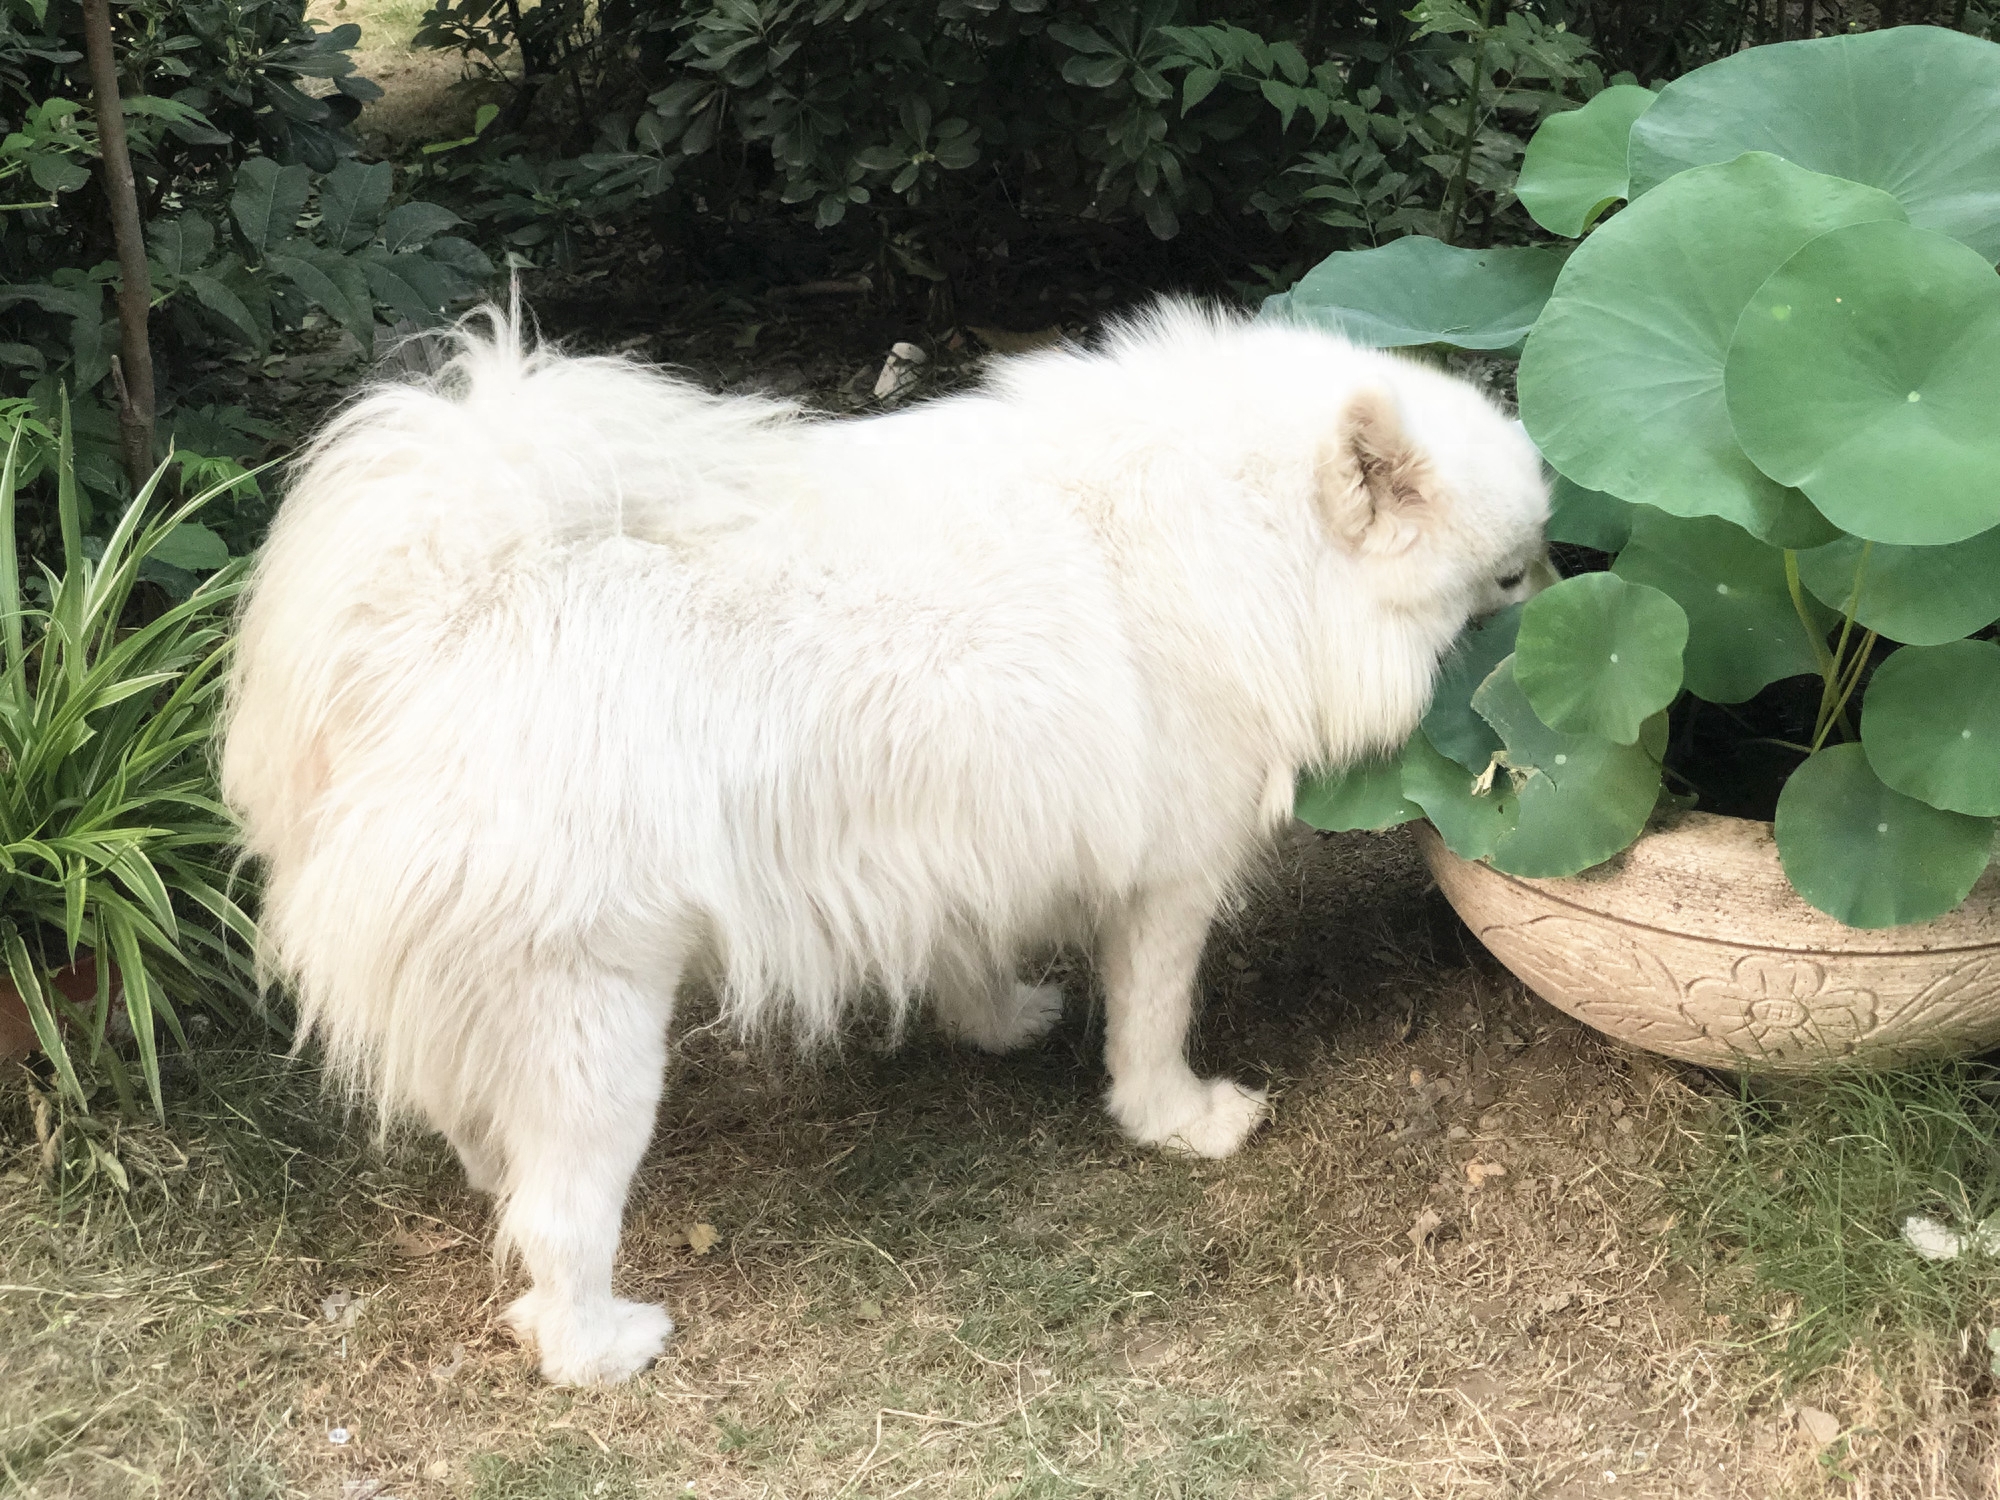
{"points": [[1513, 579]]}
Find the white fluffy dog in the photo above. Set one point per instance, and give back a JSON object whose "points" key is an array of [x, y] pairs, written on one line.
{"points": [[561, 680]]}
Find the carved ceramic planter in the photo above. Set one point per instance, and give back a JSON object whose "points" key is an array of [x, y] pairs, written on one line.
{"points": [[1693, 943]]}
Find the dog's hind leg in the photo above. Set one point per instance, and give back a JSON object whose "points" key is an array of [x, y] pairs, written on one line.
{"points": [[990, 1009], [581, 1091], [1151, 950], [485, 1166]]}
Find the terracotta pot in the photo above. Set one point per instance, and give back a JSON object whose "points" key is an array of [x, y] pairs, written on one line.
{"points": [[78, 983], [1693, 943]]}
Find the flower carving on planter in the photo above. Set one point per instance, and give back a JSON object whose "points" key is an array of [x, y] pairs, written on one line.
{"points": [[1600, 973], [1777, 1006]]}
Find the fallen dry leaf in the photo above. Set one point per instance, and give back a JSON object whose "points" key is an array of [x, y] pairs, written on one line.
{"points": [[1821, 1426], [343, 1309], [453, 1362], [1148, 1348], [1428, 1224], [421, 1244], [899, 370], [702, 1238], [1479, 1173]]}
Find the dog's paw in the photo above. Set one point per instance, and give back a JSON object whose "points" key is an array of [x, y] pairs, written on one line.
{"points": [[1025, 1013], [1210, 1117], [596, 1343]]}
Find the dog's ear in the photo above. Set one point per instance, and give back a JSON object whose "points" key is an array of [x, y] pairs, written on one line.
{"points": [[1375, 488]]}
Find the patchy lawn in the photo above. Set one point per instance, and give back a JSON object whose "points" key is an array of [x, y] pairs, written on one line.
{"points": [[942, 1274]]}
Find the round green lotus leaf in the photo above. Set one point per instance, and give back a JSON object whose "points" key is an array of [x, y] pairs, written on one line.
{"points": [[1866, 854], [1921, 596], [1574, 167], [1451, 724], [1587, 518], [1931, 725], [1471, 814], [1744, 631], [1866, 372], [1365, 795], [1422, 291], [1914, 111], [1621, 381], [1582, 797], [1600, 655]]}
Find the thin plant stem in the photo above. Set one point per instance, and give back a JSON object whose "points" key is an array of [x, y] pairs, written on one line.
{"points": [[1831, 687], [1839, 714], [1813, 633], [135, 281], [1462, 173]]}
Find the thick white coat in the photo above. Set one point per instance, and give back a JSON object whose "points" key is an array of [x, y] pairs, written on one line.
{"points": [[559, 680]]}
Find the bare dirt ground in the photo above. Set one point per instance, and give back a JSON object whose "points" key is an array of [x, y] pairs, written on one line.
{"points": [[1449, 1267]]}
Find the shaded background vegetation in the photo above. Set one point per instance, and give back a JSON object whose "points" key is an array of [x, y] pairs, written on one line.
{"points": [[938, 149]]}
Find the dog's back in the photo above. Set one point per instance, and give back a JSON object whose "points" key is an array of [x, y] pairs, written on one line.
{"points": [[562, 656]]}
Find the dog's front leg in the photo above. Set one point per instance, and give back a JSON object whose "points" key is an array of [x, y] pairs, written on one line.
{"points": [[1151, 949]]}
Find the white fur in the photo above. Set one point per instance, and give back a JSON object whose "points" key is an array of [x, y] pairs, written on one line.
{"points": [[559, 679]]}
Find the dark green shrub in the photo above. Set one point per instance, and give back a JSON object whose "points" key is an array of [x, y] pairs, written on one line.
{"points": [[259, 222], [942, 123]]}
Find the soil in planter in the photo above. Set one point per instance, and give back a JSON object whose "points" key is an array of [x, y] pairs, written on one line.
{"points": [[1733, 758]]}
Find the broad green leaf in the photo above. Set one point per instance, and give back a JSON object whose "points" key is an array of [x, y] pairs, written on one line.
{"points": [[351, 200], [1198, 85], [1587, 518], [180, 245], [192, 546], [1583, 798], [267, 202], [1451, 724], [1744, 631], [1600, 655], [1422, 291], [1368, 795], [1921, 596], [314, 274], [217, 298], [1866, 371], [460, 256], [1575, 164], [393, 281], [1471, 816], [437, 285], [1914, 111], [410, 225], [1868, 855], [1621, 381], [1931, 725]]}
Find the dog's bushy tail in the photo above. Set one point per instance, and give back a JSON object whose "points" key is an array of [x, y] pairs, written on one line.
{"points": [[421, 498]]}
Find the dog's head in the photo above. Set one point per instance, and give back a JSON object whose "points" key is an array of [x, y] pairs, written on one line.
{"points": [[1433, 491]]}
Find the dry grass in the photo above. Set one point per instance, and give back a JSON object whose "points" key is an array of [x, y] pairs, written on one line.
{"points": [[945, 1275]]}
